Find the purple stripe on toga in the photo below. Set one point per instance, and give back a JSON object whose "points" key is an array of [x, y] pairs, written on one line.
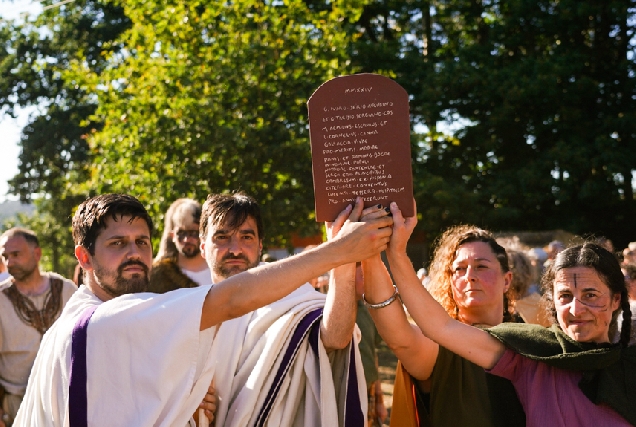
{"points": [[77, 400], [353, 412], [290, 354]]}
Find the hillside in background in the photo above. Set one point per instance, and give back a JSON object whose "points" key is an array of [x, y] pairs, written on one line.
{"points": [[10, 208]]}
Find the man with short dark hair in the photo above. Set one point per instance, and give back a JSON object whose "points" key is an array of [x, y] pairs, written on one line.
{"points": [[179, 263], [311, 386], [30, 301], [122, 358], [234, 226]]}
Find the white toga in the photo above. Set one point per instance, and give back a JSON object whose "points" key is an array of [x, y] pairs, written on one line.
{"points": [[148, 365], [316, 388], [147, 362]]}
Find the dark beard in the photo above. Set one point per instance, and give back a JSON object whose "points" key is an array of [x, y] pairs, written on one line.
{"points": [[20, 274], [225, 272], [137, 283], [191, 253]]}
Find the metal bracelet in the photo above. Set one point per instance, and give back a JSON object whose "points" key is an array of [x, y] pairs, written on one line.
{"points": [[383, 303]]}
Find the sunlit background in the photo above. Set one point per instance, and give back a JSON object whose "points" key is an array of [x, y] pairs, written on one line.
{"points": [[10, 127]]}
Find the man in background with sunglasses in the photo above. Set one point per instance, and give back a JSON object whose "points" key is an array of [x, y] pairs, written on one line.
{"points": [[179, 263]]}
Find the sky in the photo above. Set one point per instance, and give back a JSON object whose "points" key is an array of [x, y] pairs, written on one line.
{"points": [[10, 128]]}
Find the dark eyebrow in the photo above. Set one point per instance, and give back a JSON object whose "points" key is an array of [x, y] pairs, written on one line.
{"points": [[120, 237], [225, 232]]}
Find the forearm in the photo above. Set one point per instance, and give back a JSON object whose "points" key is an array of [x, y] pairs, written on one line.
{"points": [[467, 341], [421, 305], [391, 321], [379, 396], [339, 316], [262, 285], [416, 352], [378, 384], [265, 284]]}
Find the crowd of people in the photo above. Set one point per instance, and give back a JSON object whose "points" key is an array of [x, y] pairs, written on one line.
{"points": [[491, 334]]}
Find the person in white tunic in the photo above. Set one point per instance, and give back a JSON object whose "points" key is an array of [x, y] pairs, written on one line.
{"points": [[149, 359], [296, 361], [30, 301]]}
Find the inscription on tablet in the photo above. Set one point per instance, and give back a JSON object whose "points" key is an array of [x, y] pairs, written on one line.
{"points": [[360, 143]]}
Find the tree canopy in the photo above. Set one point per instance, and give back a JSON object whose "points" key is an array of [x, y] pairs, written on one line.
{"points": [[210, 97], [522, 112], [542, 93], [55, 155]]}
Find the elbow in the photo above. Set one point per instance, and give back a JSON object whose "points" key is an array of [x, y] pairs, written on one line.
{"points": [[233, 310], [337, 341], [399, 342], [340, 344], [406, 352], [230, 306], [397, 348]]}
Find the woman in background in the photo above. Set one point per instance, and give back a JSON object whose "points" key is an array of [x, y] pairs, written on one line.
{"points": [[527, 304]]}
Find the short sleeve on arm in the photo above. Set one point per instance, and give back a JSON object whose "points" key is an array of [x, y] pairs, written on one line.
{"points": [[508, 366]]}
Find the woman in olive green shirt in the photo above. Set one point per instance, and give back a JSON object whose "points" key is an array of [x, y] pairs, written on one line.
{"points": [[469, 277]]}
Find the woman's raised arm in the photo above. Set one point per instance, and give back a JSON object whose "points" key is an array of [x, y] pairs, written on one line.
{"points": [[467, 341]]}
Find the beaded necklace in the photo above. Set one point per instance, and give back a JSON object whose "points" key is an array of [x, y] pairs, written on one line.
{"points": [[41, 320]]}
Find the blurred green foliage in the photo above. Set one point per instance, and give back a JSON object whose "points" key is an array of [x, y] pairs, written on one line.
{"points": [[522, 111]]}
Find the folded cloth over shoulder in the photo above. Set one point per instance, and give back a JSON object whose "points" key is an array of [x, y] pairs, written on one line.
{"points": [[276, 372], [609, 371]]}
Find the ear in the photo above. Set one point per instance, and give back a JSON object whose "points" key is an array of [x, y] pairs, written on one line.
{"points": [[37, 251], [616, 301], [202, 247], [507, 281], [260, 248], [83, 257]]}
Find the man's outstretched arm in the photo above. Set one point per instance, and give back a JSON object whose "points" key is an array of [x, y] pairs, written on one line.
{"points": [[267, 283]]}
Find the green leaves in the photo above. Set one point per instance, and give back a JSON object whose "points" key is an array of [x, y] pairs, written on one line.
{"points": [[210, 97], [522, 111], [537, 91]]}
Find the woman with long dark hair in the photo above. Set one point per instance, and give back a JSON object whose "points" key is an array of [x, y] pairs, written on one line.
{"points": [[569, 374]]}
